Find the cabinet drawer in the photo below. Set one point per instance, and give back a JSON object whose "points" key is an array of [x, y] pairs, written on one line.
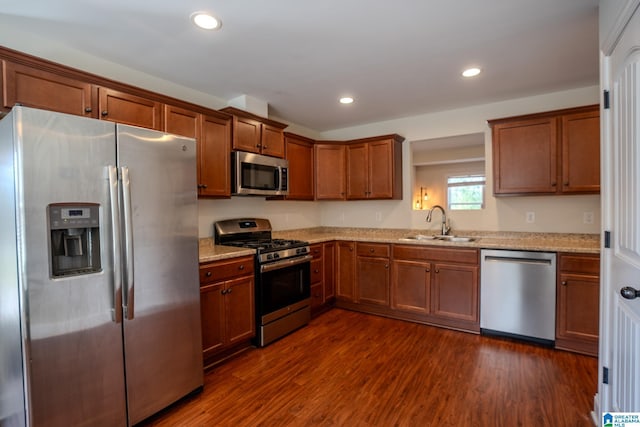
{"points": [[379, 250], [316, 271], [580, 263], [316, 250], [431, 253], [225, 270]]}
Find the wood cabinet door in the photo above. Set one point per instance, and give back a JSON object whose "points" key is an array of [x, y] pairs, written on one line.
{"points": [[36, 88], [346, 274], [129, 109], [214, 157], [373, 280], [525, 157], [180, 121], [272, 141], [329, 264], [410, 286], [357, 164], [454, 292], [300, 156], [240, 310], [581, 152], [381, 164], [578, 309], [329, 171], [212, 315], [246, 134]]}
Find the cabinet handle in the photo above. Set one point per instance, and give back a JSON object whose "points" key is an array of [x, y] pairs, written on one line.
{"points": [[264, 147], [229, 291], [258, 145], [386, 266], [437, 270], [88, 109], [224, 291], [204, 185], [208, 274], [241, 267], [427, 270], [104, 113], [564, 283]]}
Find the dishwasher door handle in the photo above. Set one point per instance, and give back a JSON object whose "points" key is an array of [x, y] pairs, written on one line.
{"points": [[517, 260]]}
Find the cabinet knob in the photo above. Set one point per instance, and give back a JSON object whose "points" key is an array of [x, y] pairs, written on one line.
{"points": [[437, 270], [224, 291], [566, 184], [386, 266], [208, 274], [241, 267], [427, 270], [564, 283], [88, 109], [316, 271], [204, 185], [104, 113], [553, 184], [229, 291], [372, 250], [264, 147], [258, 145]]}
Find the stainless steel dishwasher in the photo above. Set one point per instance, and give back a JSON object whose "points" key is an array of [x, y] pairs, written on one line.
{"points": [[518, 294]]}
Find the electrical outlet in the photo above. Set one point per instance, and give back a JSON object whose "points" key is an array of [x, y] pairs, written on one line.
{"points": [[587, 217], [531, 217]]}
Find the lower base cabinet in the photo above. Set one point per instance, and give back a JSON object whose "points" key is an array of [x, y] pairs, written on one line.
{"points": [[226, 307], [578, 303], [433, 285]]}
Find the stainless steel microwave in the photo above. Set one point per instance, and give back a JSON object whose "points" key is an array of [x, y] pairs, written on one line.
{"points": [[255, 174]]}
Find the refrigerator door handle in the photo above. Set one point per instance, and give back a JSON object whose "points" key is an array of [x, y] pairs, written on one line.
{"points": [[116, 311], [128, 244]]}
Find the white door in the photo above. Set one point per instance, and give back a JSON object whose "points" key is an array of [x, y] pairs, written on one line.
{"points": [[620, 325]]}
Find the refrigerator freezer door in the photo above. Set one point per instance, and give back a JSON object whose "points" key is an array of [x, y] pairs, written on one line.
{"points": [[163, 352], [76, 372]]}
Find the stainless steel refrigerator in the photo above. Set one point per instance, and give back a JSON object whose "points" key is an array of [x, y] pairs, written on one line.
{"points": [[99, 294]]}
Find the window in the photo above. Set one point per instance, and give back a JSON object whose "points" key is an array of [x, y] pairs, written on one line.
{"points": [[466, 192]]}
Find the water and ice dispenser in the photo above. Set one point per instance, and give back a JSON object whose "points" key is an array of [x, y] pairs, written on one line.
{"points": [[74, 241]]}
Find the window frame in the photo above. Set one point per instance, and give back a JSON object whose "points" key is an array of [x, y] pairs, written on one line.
{"points": [[469, 175]]}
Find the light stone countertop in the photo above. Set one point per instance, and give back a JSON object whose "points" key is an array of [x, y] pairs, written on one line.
{"points": [[550, 242]]}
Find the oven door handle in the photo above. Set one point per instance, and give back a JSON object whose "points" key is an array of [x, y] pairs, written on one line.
{"points": [[284, 263]]}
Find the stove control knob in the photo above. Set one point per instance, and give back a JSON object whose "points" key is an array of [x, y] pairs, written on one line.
{"points": [[269, 256], [276, 255]]}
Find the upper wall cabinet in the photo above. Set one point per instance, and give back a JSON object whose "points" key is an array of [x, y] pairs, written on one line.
{"points": [[556, 152], [256, 134], [212, 132], [329, 171], [37, 88], [374, 168], [299, 153], [129, 109]]}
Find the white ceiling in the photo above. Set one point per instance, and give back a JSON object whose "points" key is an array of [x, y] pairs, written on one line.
{"points": [[397, 58]]}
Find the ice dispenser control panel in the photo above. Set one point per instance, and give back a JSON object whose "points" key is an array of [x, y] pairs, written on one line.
{"points": [[74, 241]]}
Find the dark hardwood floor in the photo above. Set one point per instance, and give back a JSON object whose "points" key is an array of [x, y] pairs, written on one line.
{"points": [[353, 369]]}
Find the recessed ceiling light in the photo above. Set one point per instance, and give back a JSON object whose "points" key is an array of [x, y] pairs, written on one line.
{"points": [[206, 20], [346, 100], [471, 72]]}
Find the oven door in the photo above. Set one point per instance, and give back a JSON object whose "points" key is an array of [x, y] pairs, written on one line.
{"points": [[281, 285]]}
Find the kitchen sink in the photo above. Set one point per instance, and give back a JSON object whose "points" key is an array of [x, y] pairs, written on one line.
{"points": [[446, 238]]}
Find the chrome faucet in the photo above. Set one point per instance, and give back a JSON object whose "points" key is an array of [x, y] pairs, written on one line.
{"points": [[445, 227]]}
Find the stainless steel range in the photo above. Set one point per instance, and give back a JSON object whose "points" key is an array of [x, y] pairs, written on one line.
{"points": [[283, 279]]}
